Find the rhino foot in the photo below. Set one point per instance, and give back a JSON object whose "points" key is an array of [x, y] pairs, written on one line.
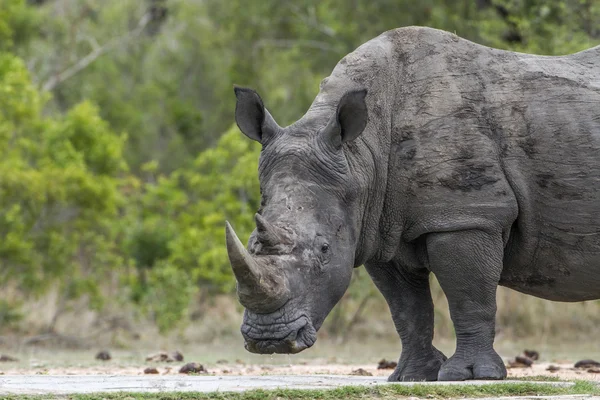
{"points": [[419, 368], [480, 366]]}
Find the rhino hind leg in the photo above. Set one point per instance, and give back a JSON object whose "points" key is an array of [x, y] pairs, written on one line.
{"points": [[468, 265], [409, 299]]}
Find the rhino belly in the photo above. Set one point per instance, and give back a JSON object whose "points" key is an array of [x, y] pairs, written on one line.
{"points": [[559, 266], [554, 248]]}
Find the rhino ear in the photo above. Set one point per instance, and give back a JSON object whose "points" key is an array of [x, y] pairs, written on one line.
{"points": [[350, 118], [252, 117]]}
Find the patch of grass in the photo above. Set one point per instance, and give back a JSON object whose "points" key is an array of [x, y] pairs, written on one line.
{"points": [[356, 392], [537, 378]]}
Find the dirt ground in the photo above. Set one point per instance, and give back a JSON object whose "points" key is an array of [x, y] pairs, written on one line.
{"points": [[326, 358], [566, 371]]}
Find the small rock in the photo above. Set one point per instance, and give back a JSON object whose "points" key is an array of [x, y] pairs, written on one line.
{"points": [[532, 354], [103, 355], [226, 371], [594, 370], [553, 368], [385, 364], [151, 370], [241, 362], [587, 364], [222, 362], [5, 358], [193, 368], [361, 372]]}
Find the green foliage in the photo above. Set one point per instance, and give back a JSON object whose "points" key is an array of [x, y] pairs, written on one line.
{"points": [[118, 160], [174, 226], [169, 295], [59, 191], [9, 313], [220, 185], [17, 24]]}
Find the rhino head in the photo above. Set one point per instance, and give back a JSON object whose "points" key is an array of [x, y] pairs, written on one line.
{"points": [[299, 259]]}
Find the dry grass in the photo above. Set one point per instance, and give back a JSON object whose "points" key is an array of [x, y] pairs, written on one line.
{"points": [[362, 315], [519, 316]]}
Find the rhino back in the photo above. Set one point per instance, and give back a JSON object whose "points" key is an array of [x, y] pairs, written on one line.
{"points": [[552, 155], [462, 136], [479, 129]]}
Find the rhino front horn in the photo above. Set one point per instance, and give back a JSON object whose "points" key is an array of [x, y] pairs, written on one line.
{"points": [[259, 287]]}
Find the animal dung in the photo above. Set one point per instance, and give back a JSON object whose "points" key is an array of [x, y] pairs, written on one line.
{"points": [[163, 356], [385, 364], [361, 372], [103, 355], [585, 364], [524, 360], [150, 370], [5, 358], [520, 362], [532, 354], [553, 368], [193, 368]]}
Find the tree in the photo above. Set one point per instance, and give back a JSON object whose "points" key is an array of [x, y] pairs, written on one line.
{"points": [[59, 196], [82, 204]]}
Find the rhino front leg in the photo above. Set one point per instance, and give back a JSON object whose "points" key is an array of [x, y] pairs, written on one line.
{"points": [[468, 265], [410, 303]]}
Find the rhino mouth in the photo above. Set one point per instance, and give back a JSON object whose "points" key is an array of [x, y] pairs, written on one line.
{"points": [[264, 337]]}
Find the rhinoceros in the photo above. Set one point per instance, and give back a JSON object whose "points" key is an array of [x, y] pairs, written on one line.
{"points": [[425, 153]]}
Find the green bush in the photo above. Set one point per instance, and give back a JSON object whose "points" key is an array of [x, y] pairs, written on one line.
{"points": [[59, 191], [85, 208]]}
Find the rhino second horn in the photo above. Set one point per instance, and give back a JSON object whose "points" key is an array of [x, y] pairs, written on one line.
{"points": [[268, 233], [258, 286]]}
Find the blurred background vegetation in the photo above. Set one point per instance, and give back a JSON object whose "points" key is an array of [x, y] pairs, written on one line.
{"points": [[120, 160]]}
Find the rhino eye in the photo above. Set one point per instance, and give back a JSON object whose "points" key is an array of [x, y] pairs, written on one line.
{"points": [[324, 248]]}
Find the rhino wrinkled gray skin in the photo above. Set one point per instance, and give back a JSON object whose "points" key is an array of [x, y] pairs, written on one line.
{"points": [[425, 153]]}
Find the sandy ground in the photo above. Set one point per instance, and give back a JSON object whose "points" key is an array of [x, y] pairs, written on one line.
{"points": [[229, 359], [566, 371]]}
